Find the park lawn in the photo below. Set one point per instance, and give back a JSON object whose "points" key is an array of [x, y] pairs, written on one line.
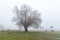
{"points": [[24, 36], [54, 34]]}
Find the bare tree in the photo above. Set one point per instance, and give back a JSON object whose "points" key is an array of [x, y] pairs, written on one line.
{"points": [[27, 17], [52, 29]]}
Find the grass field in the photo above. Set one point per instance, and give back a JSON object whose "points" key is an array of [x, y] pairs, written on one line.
{"points": [[54, 34], [11, 35]]}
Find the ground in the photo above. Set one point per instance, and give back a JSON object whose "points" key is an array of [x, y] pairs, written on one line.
{"points": [[15, 35]]}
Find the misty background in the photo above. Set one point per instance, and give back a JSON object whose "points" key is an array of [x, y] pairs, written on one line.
{"points": [[49, 9]]}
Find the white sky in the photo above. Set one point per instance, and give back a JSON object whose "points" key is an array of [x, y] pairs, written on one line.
{"points": [[50, 10]]}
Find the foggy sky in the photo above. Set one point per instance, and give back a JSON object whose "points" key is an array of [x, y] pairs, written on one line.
{"points": [[50, 12]]}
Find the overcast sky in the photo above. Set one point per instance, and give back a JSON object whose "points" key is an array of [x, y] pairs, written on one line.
{"points": [[50, 12]]}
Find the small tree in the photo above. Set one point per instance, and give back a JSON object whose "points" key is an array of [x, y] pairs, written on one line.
{"points": [[52, 28], [27, 17]]}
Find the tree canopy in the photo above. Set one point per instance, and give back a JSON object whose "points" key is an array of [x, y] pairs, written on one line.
{"points": [[27, 17]]}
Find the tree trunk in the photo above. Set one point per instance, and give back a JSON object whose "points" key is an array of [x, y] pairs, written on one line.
{"points": [[26, 30]]}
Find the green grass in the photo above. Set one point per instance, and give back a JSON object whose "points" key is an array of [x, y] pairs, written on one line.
{"points": [[54, 34], [24, 36]]}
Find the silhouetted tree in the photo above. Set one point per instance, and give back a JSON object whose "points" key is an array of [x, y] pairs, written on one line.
{"points": [[52, 28], [27, 17]]}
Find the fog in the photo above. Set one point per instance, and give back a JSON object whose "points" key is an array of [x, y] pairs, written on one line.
{"points": [[49, 9]]}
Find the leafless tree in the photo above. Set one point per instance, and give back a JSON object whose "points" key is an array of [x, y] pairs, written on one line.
{"points": [[27, 17], [52, 28]]}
